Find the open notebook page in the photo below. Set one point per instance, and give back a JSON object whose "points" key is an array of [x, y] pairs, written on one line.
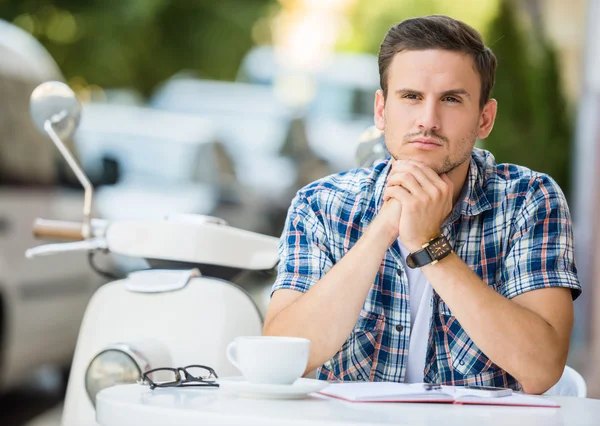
{"points": [[516, 399], [415, 392], [385, 391]]}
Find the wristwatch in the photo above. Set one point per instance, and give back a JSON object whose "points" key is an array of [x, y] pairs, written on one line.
{"points": [[431, 253]]}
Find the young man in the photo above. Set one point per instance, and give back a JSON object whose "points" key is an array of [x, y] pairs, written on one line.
{"points": [[490, 300]]}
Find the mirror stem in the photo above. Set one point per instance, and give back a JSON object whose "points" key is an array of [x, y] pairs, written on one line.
{"points": [[85, 182]]}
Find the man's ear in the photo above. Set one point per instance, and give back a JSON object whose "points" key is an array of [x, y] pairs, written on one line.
{"points": [[379, 110], [487, 118]]}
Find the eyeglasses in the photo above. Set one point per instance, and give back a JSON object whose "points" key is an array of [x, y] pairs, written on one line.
{"points": [[193, 375]]}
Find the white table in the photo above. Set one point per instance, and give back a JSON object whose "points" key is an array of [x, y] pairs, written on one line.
{"points": [[137, 405]]}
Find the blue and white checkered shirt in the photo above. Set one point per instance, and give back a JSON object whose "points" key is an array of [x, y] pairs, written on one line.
{"points": [[511, 226]]}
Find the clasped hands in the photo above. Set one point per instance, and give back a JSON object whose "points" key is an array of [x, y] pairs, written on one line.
{"points": [[416, 201]]}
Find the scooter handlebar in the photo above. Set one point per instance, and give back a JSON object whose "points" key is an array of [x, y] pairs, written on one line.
{"points": [[45, 229]]}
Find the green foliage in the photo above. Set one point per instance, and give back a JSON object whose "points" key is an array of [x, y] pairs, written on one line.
{"points": [[370, 20], [139, 43], [533, 127]]}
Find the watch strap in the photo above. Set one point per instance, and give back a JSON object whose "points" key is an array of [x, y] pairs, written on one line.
{"points": [[418, 259], [424, 257]]}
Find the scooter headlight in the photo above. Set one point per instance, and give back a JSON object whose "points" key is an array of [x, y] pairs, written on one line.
{"points": [[115, 365]]}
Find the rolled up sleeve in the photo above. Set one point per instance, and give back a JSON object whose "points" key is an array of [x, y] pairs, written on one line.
{"points": [[540, 251], [304, 256]]}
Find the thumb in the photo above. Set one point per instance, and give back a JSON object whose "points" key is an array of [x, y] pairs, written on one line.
{"points": [[447, 180]]}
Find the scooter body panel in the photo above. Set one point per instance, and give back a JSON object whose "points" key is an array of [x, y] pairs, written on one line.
{"points": [[193, 325]]}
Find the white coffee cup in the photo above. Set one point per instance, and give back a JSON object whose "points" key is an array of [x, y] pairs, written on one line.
{"points": [[269, 359]]}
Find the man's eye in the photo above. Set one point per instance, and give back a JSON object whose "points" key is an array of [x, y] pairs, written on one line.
{"points": [[451, 99], [410, 96]]}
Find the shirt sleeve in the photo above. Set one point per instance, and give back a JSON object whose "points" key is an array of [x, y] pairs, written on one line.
{"points": [[540, 250], [304, 255]]}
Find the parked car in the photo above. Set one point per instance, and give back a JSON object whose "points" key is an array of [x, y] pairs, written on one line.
{"points": [[341, 106], [262, 140], [41, 302], [148, 164], [163, 162]]}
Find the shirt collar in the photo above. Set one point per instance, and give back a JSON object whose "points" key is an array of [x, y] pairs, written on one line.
{"points": [[473, 200]]}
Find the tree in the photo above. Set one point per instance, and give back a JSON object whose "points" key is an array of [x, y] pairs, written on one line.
{"points": [[139, 43], [370, 20], [533, 127]]}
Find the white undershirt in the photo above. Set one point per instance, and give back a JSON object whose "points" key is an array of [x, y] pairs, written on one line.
{"points": [[420, 293]]}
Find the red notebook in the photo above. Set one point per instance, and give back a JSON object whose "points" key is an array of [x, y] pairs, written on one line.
{"points": [[415, 392]]}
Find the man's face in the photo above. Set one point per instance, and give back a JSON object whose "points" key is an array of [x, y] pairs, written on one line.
{"points": [[432, 112]]}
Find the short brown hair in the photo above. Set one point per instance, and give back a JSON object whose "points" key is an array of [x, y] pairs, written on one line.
{"points": [[438, 32]]}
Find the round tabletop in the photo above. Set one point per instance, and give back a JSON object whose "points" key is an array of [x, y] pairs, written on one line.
{"points": [[132, 405]]}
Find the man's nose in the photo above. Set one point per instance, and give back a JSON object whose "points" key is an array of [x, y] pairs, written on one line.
{"points": [[429, 118]]}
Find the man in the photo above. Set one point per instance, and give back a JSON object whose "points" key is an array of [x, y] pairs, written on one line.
{"points": [[354, 277]]}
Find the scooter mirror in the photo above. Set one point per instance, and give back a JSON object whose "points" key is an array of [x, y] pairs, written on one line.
{"points": [[56, 111], [56, 102]]}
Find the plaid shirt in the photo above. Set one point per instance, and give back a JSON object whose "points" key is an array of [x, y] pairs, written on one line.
{"points": [[512, 227]]}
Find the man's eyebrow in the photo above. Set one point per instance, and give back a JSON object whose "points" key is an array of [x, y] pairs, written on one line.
{"points": [[462, 92], [413, 91], [450, 92]]}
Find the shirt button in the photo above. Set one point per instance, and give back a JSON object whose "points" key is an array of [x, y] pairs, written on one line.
{"points": [[399, 328], [462, 363], [399, 272], [359, 377]]}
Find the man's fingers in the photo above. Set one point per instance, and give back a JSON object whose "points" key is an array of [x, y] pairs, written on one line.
{"points": [[449, 185], [425, 175], [396, 192], [425, 183], [405, 180], [417, 169], [446, 179], [448, 182]]}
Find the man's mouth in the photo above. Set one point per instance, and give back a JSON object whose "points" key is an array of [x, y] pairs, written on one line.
{"points": [[425, 143]]}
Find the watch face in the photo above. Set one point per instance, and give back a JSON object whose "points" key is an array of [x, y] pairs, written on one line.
{"points": [[439, 247]]}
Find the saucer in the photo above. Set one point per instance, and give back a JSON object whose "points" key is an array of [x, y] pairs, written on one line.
{"points": [[299, 389]]}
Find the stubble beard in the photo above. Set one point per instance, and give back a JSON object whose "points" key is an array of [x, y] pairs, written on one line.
{"points": [[448, 163]]}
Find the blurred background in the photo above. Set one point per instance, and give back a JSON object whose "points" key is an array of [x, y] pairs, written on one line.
{"points": [[227, 108]]}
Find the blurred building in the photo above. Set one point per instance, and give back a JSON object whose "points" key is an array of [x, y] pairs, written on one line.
{"points": [[572, 27], [587, 198]]}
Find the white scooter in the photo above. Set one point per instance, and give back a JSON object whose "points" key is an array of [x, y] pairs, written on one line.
{"points": [[153, 318]]}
